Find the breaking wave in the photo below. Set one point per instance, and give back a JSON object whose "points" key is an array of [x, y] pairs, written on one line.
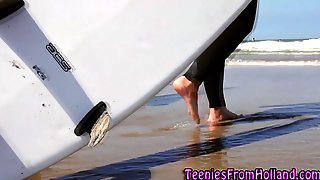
{"points": [[272, 63], [300, 46], [277, 53]]}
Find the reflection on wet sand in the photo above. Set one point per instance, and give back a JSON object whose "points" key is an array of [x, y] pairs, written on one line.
{"points": [[207, 149], [158, 143], [209, 140]]}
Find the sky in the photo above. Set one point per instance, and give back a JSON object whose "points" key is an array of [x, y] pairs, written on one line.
{"points": [[287, 19]]}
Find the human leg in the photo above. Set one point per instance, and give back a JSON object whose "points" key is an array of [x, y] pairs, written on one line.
{"points": [[223, 47], [209, 68], [189, 92]]}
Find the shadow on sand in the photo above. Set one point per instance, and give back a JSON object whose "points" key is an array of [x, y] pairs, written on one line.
{"points": [[139, 168]]}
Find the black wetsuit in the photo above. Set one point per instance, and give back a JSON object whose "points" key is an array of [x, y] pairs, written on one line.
{"points": [[209, 66]]}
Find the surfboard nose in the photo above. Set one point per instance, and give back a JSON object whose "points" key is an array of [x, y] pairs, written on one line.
{"points": [[8, 7]]}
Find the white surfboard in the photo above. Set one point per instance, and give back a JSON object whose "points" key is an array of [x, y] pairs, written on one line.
{"points": [[58, 59]]}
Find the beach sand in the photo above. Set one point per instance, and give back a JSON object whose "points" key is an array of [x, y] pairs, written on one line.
{"points": [[160, 140]]}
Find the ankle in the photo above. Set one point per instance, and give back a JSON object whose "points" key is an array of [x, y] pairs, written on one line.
{"points": [[221, 113], [215, 114]]}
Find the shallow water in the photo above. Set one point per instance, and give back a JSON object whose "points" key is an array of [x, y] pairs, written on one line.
{"points": [[159, 140]]}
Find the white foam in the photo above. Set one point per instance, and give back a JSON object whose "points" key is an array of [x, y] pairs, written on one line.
{"points": [[310, 45], [180, 125], [300, 53], [272, 63]]}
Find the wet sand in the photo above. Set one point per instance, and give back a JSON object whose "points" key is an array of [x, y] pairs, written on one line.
{"points": [[160, 140]]}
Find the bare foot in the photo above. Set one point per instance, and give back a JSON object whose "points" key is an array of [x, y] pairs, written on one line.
{"points": [[220, 114], [189, 92]]}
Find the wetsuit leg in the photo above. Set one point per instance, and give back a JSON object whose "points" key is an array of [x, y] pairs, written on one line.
{"points": [[8, 7], [209, 66]]}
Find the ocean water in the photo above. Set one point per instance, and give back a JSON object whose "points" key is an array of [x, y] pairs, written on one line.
{"points": [[299, 52]]}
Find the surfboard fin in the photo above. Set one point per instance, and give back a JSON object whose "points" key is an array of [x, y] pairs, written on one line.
{"points": [[95, 123]]}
